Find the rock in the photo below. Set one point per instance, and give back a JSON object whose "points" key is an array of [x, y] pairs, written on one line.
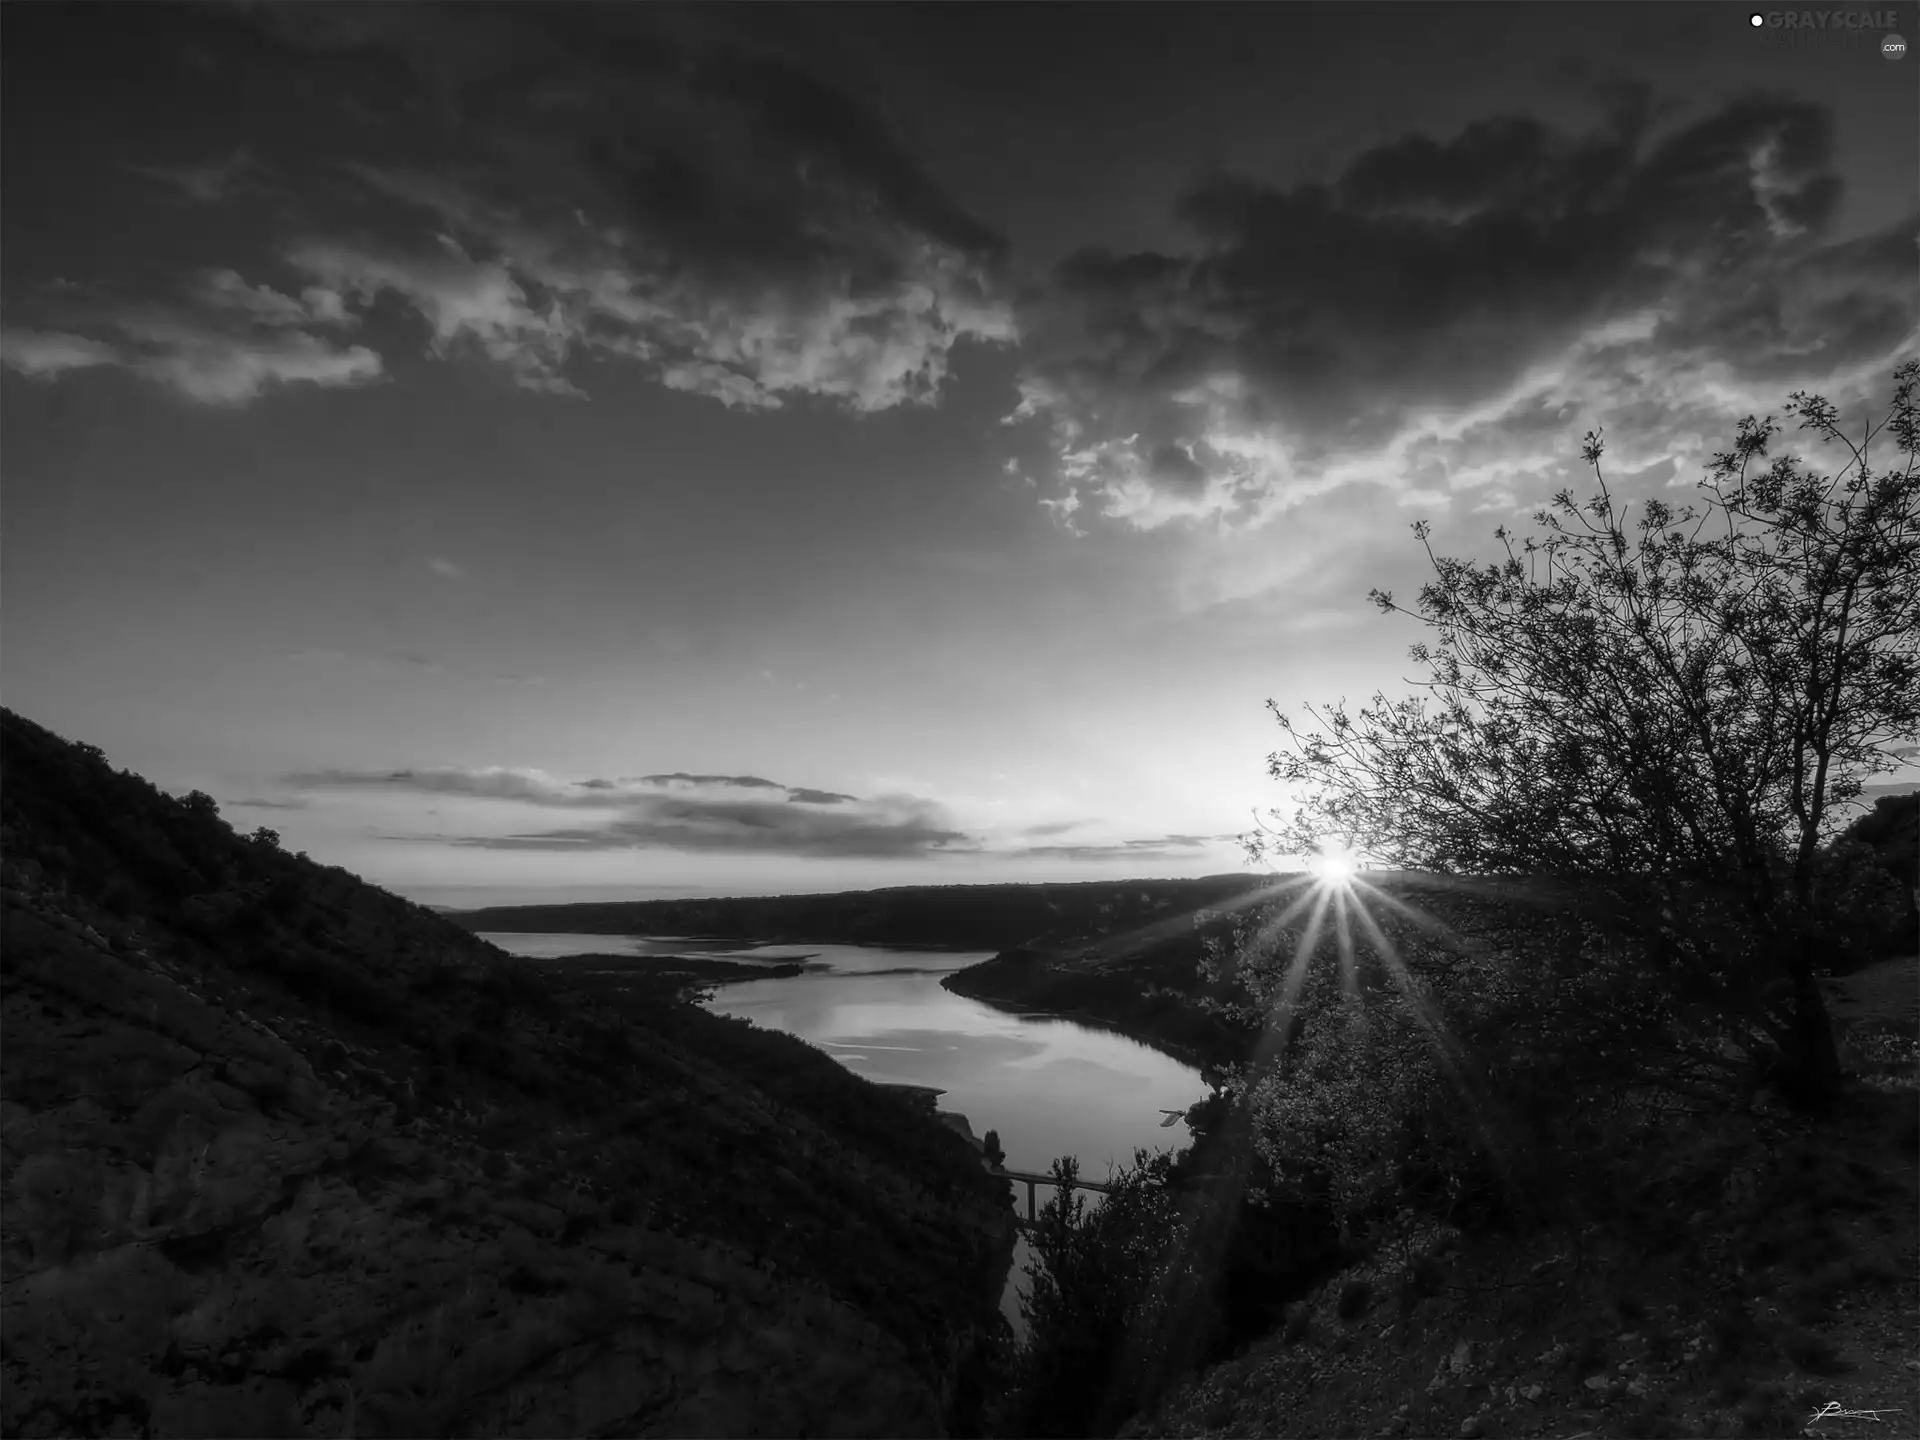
{"points": [[1534, 1394], [1472, 1427]]}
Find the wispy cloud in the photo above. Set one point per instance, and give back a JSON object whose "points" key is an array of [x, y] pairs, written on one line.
{"points": [[219, 367], [47, 354], [678, 811], [1160, 847], [467, 303], [411, 661], [1052, 827], [226, 344], [444, 568], [207, 182]]}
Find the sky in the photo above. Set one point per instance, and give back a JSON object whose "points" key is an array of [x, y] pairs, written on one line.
{"points": [[568, 452]]}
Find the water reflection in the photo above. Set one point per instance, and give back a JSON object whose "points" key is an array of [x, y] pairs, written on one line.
{"points": [[1050, 1087]]}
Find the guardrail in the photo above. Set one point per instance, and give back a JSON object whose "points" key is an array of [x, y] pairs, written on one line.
{"points": [[1033, 1182]]}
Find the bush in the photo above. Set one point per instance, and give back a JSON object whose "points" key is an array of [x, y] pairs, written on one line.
{"points": [[1111, 1304], [1483, 1085]]}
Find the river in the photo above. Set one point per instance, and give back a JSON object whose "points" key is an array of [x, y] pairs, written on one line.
{"points": [[1050, 1087]]}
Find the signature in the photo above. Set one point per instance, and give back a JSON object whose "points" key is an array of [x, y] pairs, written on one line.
{"points": [[1832, 1411]]}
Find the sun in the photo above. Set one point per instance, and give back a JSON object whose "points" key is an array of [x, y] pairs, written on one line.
{"points": [[1334, 865]]}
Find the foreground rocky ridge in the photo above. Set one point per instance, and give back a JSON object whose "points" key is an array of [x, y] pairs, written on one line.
{"points": [[1758, 1275], [281, 1154]]}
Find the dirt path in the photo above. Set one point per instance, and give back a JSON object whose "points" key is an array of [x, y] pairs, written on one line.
{"points": [[1888, 990]]}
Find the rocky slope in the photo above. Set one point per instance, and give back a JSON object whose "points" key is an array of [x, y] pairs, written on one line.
{"points": [[1758, 1278], [281, 1154]]}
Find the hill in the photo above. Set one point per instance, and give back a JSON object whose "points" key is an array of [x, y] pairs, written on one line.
{"points": [[283, 1154], [957, 917]]}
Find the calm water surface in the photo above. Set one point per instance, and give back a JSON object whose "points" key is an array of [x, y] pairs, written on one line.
{"points": [[1050, 1087]]}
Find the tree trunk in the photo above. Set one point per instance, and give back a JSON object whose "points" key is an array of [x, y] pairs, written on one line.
{"points": [[1817, 1061]]}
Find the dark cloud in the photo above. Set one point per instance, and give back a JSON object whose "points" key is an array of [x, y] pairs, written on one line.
{"points": [[1318, 331], [680, 811], [890, 827], [615, 180], [258, 804], [656, 794]]}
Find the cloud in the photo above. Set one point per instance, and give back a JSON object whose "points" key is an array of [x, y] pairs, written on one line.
{"points": [[467, 304], [46, 355], [682, 811], [497, 782], [254, 803], [680, 778], [207, 182], [1891, 787], [225, 290], [227, 344], [894, 827], [1451, 314], [1052, 827], [631, 194], [220, 367], [822, 797], [444, 568], [1163, 847]]}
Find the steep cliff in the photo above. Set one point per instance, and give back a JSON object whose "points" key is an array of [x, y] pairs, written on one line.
{"points": [[281, 1154]]}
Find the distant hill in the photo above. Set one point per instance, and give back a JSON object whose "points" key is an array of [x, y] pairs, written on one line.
{"points": [[281, 1153], [960, 917]]}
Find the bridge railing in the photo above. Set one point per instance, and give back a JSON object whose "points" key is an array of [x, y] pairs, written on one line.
{"points": [[1033, 1181]]}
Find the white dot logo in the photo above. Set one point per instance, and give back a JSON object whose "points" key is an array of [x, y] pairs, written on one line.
{"points": [[1893, 47], [1756, 20]]}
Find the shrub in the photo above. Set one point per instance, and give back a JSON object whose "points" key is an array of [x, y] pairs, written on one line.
{"points": [[1486, 1083], [1111, 1303]]}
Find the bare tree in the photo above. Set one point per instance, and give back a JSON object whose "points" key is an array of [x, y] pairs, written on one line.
{"points": [[1687, 708]]}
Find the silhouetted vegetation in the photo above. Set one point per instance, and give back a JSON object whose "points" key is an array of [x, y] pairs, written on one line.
{"points": [[1650, 745], [1178, 1266], [951, 917], [555, 1080], [1684, 711]]}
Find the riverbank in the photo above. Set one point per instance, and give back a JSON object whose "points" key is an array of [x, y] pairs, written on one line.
{"points": [[639, 977], [1155, 997]]}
